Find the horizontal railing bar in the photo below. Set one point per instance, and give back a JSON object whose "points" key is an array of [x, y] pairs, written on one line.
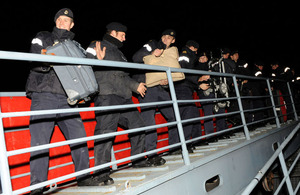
{"points": [[255, 97], [84, 139], [207, 100], [92, 169], [72, 110], [258, 109], [22, 56], [213, 134], [209, 117]]}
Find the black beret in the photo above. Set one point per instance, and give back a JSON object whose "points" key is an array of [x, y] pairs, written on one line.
{"points": [[116, 26], [64, 12], [259, 63], [192, 43], [225, 51], [234, 52], [202, 54], [170, 32]]}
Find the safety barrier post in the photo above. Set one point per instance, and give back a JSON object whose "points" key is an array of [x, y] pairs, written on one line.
{"points": [[4, 167], [113, 158], [292, 101], [246, 130], [185, 153], [273, 103], [285, 173]]}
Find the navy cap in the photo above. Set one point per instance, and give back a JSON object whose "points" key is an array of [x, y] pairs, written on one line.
{"points": [[64, 12], [170, 32], [116, 26], [192, 43]]}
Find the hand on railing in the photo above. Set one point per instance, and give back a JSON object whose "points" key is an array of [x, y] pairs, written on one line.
{"points": [[142, 89]]}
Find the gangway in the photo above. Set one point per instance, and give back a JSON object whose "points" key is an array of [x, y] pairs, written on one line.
{"points": [[219, 168], [224, 167]]}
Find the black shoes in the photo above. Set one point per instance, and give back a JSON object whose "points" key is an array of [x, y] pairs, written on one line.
{"points": [[157, 161], [142, 164], [37, 191], [149, 162], [87, 181], [104, 179], [179, 151]]}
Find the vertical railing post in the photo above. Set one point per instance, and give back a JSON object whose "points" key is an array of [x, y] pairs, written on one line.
{"points": [[4, 167], [292, 101], [239, 100], [185, 154], [286, 173], [113, 158], [273, 103]]}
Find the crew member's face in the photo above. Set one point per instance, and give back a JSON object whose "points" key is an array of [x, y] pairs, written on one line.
{"points": [[167, 40], [260, 67], [225, 56], [118, 35], [235, 57], [64, 22], [203, 59], [194, 49], [274, 67]]}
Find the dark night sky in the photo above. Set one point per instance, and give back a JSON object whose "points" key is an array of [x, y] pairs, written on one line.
{"points": [[265, 30]]}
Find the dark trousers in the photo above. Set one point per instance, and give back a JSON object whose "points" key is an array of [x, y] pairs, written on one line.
{"points": [[107, 122], [258, 103], [208, 110], [41, 128], [188, 111], [287, 99], [155, 94]]}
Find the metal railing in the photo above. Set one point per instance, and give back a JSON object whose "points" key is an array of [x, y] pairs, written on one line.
{"points": [[286, 179], [4, 154]]}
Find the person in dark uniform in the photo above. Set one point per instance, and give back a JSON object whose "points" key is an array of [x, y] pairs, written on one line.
{"points": [[156, 93], [258, 88], [116, 87], [229, 67], [283, 73], [242, 68], [206, 91], [46, 92], [185, 89]]}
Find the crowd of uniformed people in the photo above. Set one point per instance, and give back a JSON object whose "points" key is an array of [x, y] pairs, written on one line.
{"points": [[117, 86]]}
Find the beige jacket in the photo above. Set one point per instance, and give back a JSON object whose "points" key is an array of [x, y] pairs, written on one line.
{"points": [[168, 58]]}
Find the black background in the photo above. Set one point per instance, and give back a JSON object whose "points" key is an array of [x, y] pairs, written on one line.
{"points": [[264, 31]]}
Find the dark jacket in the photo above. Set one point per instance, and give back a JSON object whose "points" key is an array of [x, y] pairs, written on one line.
{"points": [[42, 77], [112, 80], [282, 73], [257, 86], [187, 59], [147, 49]]}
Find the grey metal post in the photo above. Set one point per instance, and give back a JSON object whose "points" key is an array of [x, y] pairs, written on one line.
{"points": [[247, 135], [4, 166], [185, 153], [286, 173], [292, 101], [273, 103], [113, 158]]}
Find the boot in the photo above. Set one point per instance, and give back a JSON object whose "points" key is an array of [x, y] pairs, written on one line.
{"points": [[103, 179], [87, 181]]}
